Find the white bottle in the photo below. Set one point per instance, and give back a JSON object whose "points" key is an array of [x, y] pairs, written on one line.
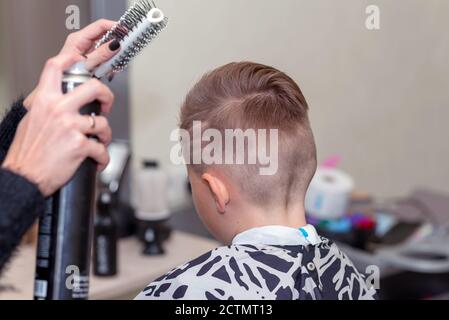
{"points": [[150, 193]]}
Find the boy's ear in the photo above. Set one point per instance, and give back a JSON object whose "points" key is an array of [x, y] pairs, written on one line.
{"points": [[219, 191]]}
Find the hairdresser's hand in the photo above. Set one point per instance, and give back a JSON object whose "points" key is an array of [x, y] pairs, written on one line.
{"points": [[83, 43], [51, 143]]}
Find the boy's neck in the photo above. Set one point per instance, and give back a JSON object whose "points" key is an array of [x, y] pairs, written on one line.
{"points": [[250, 217]]}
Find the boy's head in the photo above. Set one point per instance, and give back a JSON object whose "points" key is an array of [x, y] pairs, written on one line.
{"points": [[232, 197]]}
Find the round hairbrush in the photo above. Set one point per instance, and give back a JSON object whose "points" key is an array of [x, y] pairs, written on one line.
{"points": [[135, 30]]}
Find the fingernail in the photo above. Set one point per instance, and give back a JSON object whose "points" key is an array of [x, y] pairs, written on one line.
{"points": [[114, 45], [111, 77]]}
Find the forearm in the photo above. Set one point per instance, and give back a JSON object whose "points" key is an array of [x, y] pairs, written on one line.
{"points": [[9, 125], [21, 203]]}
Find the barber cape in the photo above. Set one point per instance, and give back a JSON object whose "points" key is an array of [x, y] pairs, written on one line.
{"points": [[272, 263]]}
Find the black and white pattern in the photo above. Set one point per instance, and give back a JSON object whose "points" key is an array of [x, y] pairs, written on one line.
{"points": [[257, 272]]}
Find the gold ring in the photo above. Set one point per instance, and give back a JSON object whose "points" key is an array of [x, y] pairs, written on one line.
{"points": [[92, 121]]}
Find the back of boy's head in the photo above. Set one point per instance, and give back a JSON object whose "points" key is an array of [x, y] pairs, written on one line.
{"points": [[248, 95]]}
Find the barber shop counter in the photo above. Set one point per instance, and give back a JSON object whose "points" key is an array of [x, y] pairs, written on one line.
{"points": [[135, 270]]}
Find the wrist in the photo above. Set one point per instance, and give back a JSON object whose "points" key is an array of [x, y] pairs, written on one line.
{"points": [[19, 170], [9, 165]]}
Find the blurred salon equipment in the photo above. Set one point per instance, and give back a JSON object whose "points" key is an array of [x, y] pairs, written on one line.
{"points": [[113, 218], [111, 181], [105, 237], [150, 189], [329, 194], [407, 239], [426, 250], [112, 176]]}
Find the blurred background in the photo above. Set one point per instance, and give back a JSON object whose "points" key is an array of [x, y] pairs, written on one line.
{"points": [[378, 98]]}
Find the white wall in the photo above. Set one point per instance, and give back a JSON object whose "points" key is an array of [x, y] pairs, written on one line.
{"points": [[379, 99]]}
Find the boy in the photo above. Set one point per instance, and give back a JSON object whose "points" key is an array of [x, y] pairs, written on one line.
{"points": [[272, 252]]}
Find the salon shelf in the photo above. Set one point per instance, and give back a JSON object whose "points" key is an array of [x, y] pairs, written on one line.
{"points": [[135, 270]]}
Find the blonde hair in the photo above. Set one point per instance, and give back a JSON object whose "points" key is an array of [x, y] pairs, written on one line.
{"points": [[249, 95]]}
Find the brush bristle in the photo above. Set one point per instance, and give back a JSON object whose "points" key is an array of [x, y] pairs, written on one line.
{"points": [[128, 24]]}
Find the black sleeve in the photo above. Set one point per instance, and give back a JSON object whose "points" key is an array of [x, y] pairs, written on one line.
{"points": [[20, 204], [9, 125]]}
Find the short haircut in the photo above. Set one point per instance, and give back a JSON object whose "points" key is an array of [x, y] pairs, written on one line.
{"points": [[244, 95]]}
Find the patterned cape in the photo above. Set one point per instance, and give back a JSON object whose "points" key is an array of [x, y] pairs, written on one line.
{"points": [[271, 272]]}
